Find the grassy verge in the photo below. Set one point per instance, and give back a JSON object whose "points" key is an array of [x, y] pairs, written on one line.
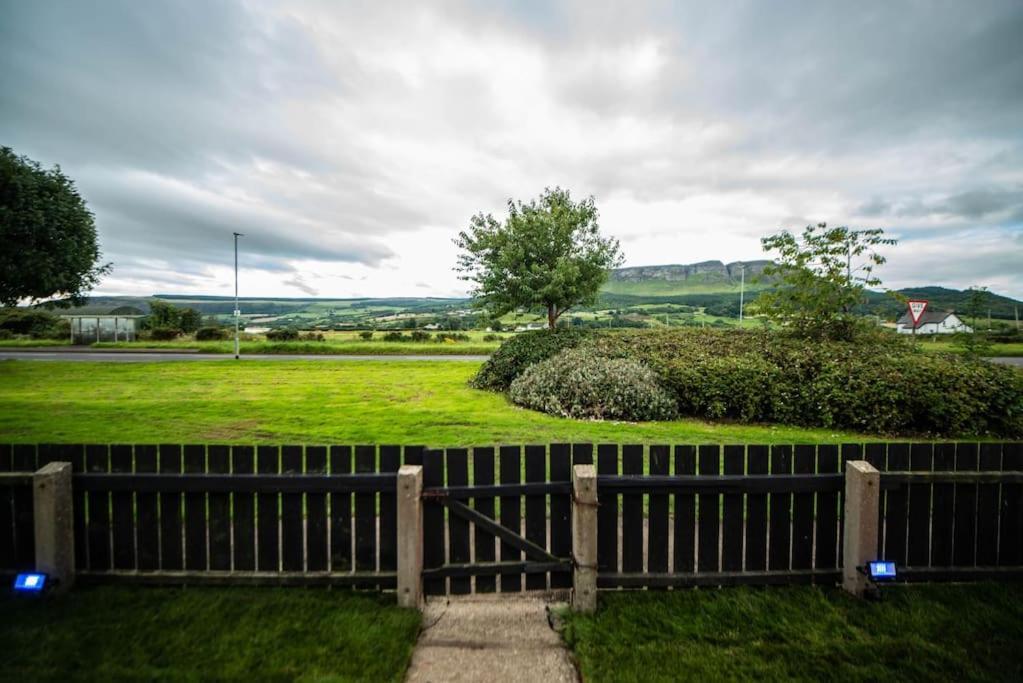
{"points": [[402, 402], [1011, 350], [342, 348], [197, 634], [920, 633]]}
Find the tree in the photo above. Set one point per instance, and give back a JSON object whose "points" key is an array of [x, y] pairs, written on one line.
{"points": [[163, 314], [548, 254], [823, 274], [48, 235], [190, 320], [974, 344]]}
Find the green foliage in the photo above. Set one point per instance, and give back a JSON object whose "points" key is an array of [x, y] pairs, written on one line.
{"points": [[48, 235], [820, 285], [33, 322], [162, 314], [548, 255], [581, 384], [312, 337], [524, 349], [366, 335], [491, 337], [164, 333], [974, 344], [419, 336], [282, 334], [210, 334], [394, 337], [189, 320], [452, 336]]}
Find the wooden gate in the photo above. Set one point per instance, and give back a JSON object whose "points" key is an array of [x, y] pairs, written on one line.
{"points": [[506, 530]]}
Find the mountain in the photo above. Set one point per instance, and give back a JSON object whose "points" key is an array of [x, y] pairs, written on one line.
{"points": [[706, 277]]}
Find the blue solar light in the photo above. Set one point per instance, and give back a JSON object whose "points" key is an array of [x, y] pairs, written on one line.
{"points": [[882, 571], [30, 583]]}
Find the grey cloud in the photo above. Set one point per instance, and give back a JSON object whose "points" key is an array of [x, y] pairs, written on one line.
{"points": [[298, 283]]}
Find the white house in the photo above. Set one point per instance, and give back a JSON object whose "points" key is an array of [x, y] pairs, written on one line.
{"points": [[932, 322]]}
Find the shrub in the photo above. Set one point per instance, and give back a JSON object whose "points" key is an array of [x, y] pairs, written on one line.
{"points": [[34, 322], [164, 333], [419, 336], [452, 336], [366, 335], [581, 384], [283, 334], [210, 334], [394, 337], [6, 334], [491, 337], [312, 337], [516, 354]]}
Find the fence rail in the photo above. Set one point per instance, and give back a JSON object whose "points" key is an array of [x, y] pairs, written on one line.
{"points": [[499, 519]]}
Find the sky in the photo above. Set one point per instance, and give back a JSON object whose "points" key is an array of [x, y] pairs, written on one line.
{"points": [[351, 141]]}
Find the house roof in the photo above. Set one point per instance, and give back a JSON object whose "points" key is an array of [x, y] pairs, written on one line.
{"points": [[927, 318]]}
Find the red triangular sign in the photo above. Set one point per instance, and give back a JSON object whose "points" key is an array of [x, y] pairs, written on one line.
{"points": [[916, 310]]}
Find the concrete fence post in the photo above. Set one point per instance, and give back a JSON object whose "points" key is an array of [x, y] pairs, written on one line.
{"points": [[54, 525], [584, 538], [862, 493], [410, 536]]}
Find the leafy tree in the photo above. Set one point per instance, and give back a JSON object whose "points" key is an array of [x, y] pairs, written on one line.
{"points": [[48, 235], [974, 344], [823, 274], [190, 320], [548, 254], [163, 315]]}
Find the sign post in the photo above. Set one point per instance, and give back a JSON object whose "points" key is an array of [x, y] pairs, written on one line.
{"points": [[916, 311]]}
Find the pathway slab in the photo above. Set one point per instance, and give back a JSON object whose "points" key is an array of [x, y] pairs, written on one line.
{"points": [[489, 639]]}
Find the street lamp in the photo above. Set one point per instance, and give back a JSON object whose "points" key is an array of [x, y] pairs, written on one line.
{"points": [[237, 312]]}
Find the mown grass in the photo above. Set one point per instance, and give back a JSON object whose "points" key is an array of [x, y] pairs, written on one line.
{"points": [[380, 401], [205, 634], [918, 633], [1010, 350]]}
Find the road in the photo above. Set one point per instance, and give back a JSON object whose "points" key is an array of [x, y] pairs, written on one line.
{"points": [[1018, 362], [144, 357]]}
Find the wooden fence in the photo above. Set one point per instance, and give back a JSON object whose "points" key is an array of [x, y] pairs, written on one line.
{"points": [[499, 519]]}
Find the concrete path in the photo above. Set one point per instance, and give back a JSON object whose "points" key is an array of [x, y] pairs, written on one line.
{"points": [[164, 356], [489, 639]]}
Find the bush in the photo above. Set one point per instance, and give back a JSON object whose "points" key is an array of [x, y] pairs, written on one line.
{"points": [[581, 384], [452, 336], [284, 334], [394, 337], [312, 337], [491, 337], [516, 354], [164, 333], [33, 322], [210, 334], [366, 335], [420, 336]]}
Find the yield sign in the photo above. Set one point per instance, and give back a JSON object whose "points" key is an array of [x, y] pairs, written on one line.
{"points": [[916, 310]]}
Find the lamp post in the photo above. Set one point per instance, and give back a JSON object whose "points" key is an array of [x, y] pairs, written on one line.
{"points": [[742, 290], [237, 312]]}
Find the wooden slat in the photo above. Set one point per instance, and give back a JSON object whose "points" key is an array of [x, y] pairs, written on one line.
{"points": [[195, 512], [607, 512], [943, 507], [1010, 545], [561, 511], [509, 468], [536, 509], [684, 560], [897, 507], [582, 454], [708, 513], [433, 523], [171, 519], [732, 512], [850, 452], [484, 543], [6, 511], [457, 465], [97, 459], [988, 506], [365, 514], [632, 513], [918, 546], [24, 457], [341, 512], [390, 461], [148, 527], [317, 548], [803, 462], [75, 454], [657, 536], [964, 537], [243, 519], [292, 541], [218, 461], [268, 537], [780, 509], [826, 540], [121, 505], [877, 455], [757, 462], [413, 455]]}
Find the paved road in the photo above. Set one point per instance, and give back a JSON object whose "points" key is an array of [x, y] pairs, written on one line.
{"points": [[1018, 362], [142, 357]]}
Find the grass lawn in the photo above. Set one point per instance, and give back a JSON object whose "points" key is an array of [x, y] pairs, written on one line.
{"points": [[1013, 349], [400, 402], [350, 347], [201, 634], [919, 633]]}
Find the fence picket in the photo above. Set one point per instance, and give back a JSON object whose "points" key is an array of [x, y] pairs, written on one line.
{"points": [[390, 461], [1010, 546], [171, 519], [433, 523], [757, 462], [684, 559], [6, 511], [218, 461], [803, 462], [365, 514], [732, 513], [918, 551], [826, 532], [147, 511], [988, 506], [317, 548], [657, 537], [97, 459], [709, 513], [607, 512], [632, 513], [561, 511], [897, 507], [964, 537], [943, 507], [341, 513], [243, 523], [457, 465], [484, 542]]}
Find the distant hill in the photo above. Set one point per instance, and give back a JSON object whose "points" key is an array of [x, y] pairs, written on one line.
{"points": [[706, 277]]}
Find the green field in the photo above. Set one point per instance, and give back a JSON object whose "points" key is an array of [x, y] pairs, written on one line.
{"points": [[1012, 350], [338, 401], [205, 634], [919, 633], [327, 348]]}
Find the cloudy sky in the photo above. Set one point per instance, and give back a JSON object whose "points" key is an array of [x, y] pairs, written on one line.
{"points": [[351, 141]]}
